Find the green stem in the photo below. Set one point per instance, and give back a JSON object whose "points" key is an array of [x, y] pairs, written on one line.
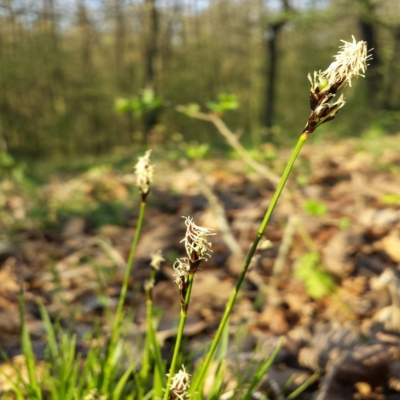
{"points": [[179, 337], [152, 345], [122, 297], [202, 375], [144, 373], [304, 386]]}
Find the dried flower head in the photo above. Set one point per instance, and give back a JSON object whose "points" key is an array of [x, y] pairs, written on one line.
{"points": [[350, 62], [196, 244], [181, 272], [180, 385], [156, 260], [144, 173]]}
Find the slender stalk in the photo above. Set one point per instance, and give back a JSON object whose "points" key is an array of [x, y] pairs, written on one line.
{"points": [[152, 343], [122, 297], [178, 342], [260, 372], [202, 375], [144, 373], [303, 386]]}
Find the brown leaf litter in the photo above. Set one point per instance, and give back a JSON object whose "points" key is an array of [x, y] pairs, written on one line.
{"points": [[351, 336]]}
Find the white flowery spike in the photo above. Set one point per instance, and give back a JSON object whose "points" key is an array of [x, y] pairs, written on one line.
{"points": [[156, 260], [144, 173], [196, 240], [181, 271], [349, 62], [180, 384]]}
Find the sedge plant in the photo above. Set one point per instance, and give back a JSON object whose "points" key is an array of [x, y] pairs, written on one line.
{"points": [[198, 249], [152, 350], [350, 62], [144, 173], [64, 374]]}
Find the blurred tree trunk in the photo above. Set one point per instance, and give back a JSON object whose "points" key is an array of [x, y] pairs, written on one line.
{"points": [[53, 56], [271, 37], [7, 35], [374, 79], [84, 27], [119, 42], [150, 119], [391, 99]]}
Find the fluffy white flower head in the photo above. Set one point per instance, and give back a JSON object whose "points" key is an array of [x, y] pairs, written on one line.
{"points": [[350, 62], [156, 260], [144, 173], [196, 240], [180, 384], [181, 271]]}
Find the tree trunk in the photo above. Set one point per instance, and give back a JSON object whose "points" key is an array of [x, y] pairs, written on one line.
{"points": [[374, 77], [119, 42], [150, 118], [271, 37], [391, 99]]}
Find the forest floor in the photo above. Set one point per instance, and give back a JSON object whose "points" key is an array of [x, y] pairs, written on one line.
{"points": [[326, 276]]}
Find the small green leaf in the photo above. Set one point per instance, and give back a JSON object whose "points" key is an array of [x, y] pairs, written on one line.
{"points": [[228, 101], [148, 96], [316, 208], [212, 105], [225, 102], [391, 199], [317, 281], [121, 104], [197, 151], [319, 284]]}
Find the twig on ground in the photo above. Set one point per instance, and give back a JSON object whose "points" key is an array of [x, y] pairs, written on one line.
{"points": [[233, 141]]}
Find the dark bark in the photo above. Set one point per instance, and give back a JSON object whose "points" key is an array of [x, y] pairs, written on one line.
{"points": [[84, 26], [272, 34], [150, 119], [374, 78], [270, 94], [391, 100], [119, 42]]}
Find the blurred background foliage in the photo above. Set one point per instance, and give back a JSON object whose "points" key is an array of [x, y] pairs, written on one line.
{"points": [[86, 76]]}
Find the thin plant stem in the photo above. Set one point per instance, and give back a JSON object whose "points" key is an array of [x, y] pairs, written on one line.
{"points": [[122, 297], [144, 373], [152, 343], [303, 386], [184, 309], [202, 375], [261, 372]]}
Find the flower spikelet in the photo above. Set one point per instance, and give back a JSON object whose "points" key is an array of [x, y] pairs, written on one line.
{"points": [[196, 244], [181, 272], [350, 62], [156, 260], [180, 385], [144, 173]]}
